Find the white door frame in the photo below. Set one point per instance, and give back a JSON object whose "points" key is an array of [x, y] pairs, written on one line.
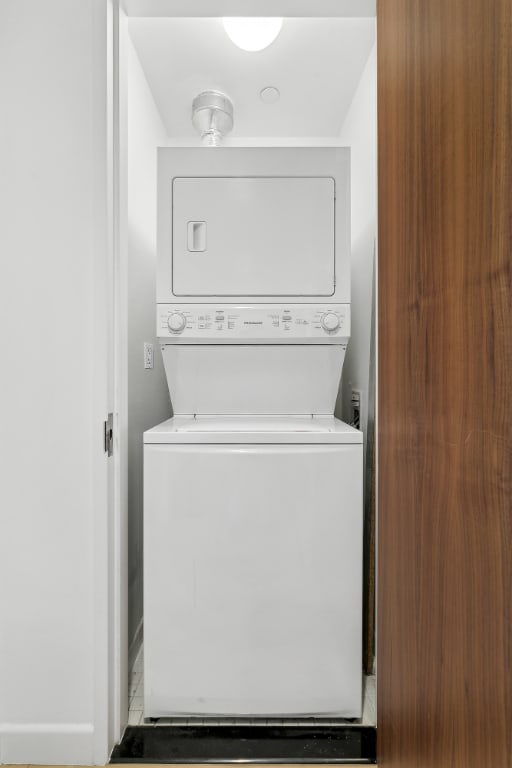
{"points": [[110, 493], [111, 535]]}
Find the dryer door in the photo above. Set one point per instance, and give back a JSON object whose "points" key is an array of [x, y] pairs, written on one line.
{"points": [[259, 237]]}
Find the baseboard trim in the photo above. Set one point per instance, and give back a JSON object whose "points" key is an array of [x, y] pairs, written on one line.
{"points": [[47, 743]]}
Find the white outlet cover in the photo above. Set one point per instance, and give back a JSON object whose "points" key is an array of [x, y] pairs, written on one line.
{"points": [[148, 355]]}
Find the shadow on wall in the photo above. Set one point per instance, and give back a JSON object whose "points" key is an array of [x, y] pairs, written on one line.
{"points": [[148, 404], [359, 373], [356, 369]]}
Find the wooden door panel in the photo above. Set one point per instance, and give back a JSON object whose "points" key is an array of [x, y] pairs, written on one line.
{"points": [[445, 383]]}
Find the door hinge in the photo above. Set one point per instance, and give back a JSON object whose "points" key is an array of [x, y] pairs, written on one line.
{"points": [[108, 434]]}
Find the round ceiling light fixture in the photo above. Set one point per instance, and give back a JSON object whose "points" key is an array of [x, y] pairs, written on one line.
{"points": [[252, 34]]}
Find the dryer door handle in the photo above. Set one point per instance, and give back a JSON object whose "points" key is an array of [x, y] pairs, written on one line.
{"points": [[196, 236]]}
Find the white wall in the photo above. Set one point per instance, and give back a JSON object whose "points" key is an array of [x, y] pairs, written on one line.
{"points": [[53, 250], [359, 131], [148, 395]]}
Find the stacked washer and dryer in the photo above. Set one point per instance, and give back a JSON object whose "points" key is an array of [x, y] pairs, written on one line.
{"points": [[253, 490]]}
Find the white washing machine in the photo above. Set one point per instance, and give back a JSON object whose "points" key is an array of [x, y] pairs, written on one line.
{"points": [[254, 581], [253, 490]]}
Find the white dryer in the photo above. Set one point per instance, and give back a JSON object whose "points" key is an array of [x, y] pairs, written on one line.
{"points": [[253, 490]]}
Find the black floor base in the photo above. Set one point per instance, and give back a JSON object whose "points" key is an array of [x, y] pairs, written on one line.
{"points": [[245, 743]]}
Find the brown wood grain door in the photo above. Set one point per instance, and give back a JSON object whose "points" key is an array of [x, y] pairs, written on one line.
{"points": [[445, 384]]}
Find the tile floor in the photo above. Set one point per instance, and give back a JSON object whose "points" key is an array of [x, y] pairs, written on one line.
{"points": [[136, 703]]}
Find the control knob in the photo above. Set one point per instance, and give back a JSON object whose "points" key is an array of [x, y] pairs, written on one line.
{"points": [[176, 322], [330, 321]]}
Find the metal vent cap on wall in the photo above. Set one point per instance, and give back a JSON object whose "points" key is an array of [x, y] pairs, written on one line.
{"points": [[212, 116]]}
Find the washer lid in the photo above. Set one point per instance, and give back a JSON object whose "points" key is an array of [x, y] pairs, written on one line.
{"points": [[253, 429], [255, 379]]}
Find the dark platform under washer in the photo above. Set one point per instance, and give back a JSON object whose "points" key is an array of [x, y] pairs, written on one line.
{"points": [[261, 744]]}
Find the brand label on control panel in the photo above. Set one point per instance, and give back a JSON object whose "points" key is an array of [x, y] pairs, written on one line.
{"points": [[188, 323]]}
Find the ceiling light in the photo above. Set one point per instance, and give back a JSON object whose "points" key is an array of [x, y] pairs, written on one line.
{"points": [[253, 34]]}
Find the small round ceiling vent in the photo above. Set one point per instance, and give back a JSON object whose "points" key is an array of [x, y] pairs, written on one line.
{"points": [[269, 95]]}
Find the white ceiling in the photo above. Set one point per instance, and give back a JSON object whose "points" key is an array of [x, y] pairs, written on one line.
{"points": [[295, 8], [315, 63]]}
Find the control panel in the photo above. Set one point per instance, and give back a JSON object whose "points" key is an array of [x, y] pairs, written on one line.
{"points": [[265, 323]]}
